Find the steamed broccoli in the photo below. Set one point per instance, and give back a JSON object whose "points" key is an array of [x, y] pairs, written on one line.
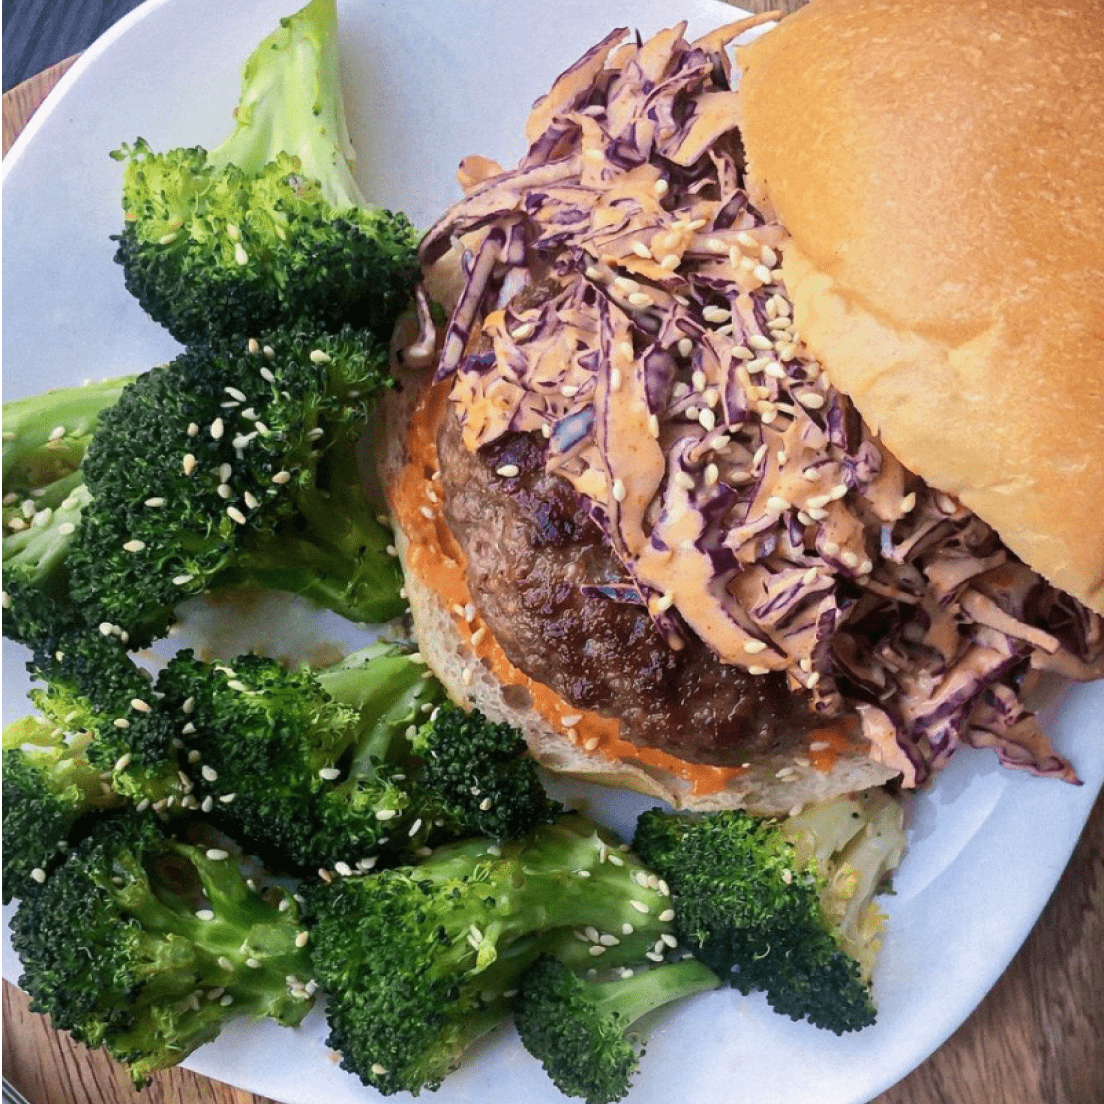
{"points": [[782, 906], [49, 786], [418, 962], [580, 1030], [354, 764], [90, 687], [235, 466], [146, 945], [269, 229], [45, 439]]}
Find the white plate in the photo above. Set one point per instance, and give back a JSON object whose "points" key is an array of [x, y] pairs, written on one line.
{"points": [[429, 81]]}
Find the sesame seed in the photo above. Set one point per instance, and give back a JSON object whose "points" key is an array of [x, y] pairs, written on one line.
{"points": [[757, 670], [329, 774], [134, 546], [139, 705], [685, 346], [716, 314], [639, 906], [154, 502], [811, 400], [642, 250], [508, 471], [319, 356], [591, 744], [189, 463], [619, 492], [526, 329], [204, 914], [217, 429], [754, 646], [122, 762], [707, 419], [216, 854], [777, 504], [661, 187], [758, 341], [386, 814], [908, 503]]}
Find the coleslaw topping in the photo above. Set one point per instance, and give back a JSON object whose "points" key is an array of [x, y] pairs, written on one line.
{"points": [[623, 300]]}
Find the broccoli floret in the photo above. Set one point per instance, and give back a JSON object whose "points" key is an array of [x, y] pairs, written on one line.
{"points": [[479, 777], [146, 945], [90, 687], [45, 439], [418, 962], [236, 466], [581, 1030], [759, 911], [269, 229], [342, 766], [49, 786]]}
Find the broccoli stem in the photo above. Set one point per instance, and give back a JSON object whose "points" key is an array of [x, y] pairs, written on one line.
{"points": [[632, 997], [581, 1031], [387, 688], [46, 435], [301, 56], [331, 555]]}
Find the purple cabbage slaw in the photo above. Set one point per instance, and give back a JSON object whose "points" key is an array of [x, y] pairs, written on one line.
{"points": [[654, 350]]}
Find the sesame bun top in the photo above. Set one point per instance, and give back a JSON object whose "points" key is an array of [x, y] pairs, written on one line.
{"points": [[940, 169]]}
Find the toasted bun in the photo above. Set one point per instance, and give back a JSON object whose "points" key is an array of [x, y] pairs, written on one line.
{"points": [[940, 168], [469, 662]]}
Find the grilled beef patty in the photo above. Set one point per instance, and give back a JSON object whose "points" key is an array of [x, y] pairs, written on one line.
{"points": [[546, 582]]}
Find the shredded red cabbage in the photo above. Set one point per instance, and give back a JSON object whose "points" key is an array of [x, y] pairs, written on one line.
{"points": [[745, 498]]}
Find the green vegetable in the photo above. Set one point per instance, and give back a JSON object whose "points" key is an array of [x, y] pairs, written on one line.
{"points": [[418, 962], [268, 230], [581, 1030], [90, 688], [361, 763], [235, 466], [49, 785], [783, 906], [45, 439], [147, 945]]}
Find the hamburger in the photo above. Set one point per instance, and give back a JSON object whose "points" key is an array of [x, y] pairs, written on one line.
{"points": [[759, 457]]}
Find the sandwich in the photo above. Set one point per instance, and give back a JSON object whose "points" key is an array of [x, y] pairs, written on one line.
{"points": [[750, 444]]}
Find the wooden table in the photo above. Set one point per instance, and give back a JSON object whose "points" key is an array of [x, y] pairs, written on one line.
{"points": [[1037, 1038]]}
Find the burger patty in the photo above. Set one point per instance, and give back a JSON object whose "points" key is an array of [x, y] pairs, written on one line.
{"points": [[546, 582]]}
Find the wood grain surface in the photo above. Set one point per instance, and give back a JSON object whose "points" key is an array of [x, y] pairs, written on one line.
{"points": [[1037, 1037]]}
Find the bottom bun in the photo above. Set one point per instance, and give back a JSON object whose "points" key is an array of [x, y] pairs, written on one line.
{"points": [[463, 653]]}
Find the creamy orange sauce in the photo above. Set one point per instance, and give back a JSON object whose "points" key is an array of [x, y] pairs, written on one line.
{"points": [[434, 556]]}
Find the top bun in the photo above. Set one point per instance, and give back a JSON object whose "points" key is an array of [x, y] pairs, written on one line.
{"points": [[940, 168]]}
